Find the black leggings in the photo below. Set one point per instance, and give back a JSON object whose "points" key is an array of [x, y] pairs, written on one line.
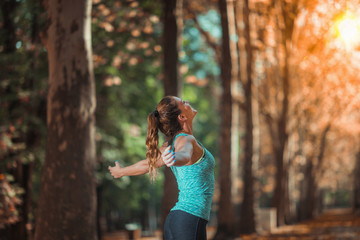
{"points": [[180, 225]]}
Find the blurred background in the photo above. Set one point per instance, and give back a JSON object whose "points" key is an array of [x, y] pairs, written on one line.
{"points": [[275, 83]]}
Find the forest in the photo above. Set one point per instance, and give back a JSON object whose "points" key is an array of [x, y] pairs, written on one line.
{"points": [[275, 84]]}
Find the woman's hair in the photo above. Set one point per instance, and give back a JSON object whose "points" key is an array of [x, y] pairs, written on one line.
{"points": [[164, 118]]}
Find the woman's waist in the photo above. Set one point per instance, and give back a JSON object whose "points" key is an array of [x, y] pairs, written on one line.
{"points": [[200, 203], [203, 196]]}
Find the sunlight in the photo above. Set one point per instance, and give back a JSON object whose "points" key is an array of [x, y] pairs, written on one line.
{"points": [[348, 28]]}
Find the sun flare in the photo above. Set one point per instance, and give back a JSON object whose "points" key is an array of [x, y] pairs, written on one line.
{"points": [[348, 29]]}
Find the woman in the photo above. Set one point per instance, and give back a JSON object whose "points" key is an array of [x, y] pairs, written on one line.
{"points": [[192, 165]]}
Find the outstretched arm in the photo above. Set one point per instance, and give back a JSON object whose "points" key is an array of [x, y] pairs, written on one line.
{"points": [[139, 168]]}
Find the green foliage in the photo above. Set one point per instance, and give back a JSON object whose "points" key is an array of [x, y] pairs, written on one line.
{"points": [[22, 104], [338, 199], [9, 201], [197, 55], [127, 66]]}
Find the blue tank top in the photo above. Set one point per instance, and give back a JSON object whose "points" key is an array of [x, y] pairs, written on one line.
{"points": [[196, 184]]}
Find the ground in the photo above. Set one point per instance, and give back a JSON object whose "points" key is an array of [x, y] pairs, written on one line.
{"points": [[336, 224]]}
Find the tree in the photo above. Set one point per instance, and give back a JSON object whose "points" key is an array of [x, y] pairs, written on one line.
{"points": [[8, 8], [357, 185], [314, 162], [67, 202], [247, 222], [225, 225], [288, 15], [172, 84], [276, 108]]}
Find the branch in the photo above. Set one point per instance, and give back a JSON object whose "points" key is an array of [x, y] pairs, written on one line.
{"points": [[208, 38]]}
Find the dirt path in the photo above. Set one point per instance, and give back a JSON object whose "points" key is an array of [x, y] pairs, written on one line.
{"points": [[337, 224]]}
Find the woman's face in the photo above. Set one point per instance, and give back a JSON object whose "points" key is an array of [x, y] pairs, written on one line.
{"points": [[186, 108]]}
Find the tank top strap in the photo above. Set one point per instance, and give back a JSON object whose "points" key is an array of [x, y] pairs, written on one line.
{"points": [[178, 135]]}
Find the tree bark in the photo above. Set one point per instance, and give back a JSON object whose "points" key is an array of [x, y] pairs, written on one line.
{"points": [[99, 204], [279, 193], [247, 222], [357, 185], [308, 207], [307, 193], [8, 8], [67, 201], [288, 15], [172, 44], [172, 84], [237, 102], [225, 228]]}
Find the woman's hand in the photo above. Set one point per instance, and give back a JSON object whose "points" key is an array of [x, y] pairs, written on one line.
{"points": [[168, 157], [116, 171]]}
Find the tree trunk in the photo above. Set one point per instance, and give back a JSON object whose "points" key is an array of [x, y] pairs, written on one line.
{"points": [[8, 8], [172, 45], [308, 208], [320, 161], [247, 222], [27, 204], [236, 95], [307, 201], [99, 197], [172, 84], [357, 185], [67, 201], [278, 198], [225, 228], [288, 14]]}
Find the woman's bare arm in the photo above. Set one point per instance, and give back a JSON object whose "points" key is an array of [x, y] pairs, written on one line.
{"points": [[183, 152], [139, 168]]}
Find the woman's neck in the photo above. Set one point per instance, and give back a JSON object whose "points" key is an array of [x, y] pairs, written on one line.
{"points": [[187, 128]]}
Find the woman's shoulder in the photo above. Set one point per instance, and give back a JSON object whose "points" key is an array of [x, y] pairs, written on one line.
{"points": [[184, 138]]}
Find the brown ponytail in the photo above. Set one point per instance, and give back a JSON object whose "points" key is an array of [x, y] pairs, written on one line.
{"points": [[164, 118], [152, 142]]}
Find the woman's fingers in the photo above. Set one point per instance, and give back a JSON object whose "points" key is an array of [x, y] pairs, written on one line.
{"points": [[165, 153], [114, 170], [168, 157], [171, 162]]}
